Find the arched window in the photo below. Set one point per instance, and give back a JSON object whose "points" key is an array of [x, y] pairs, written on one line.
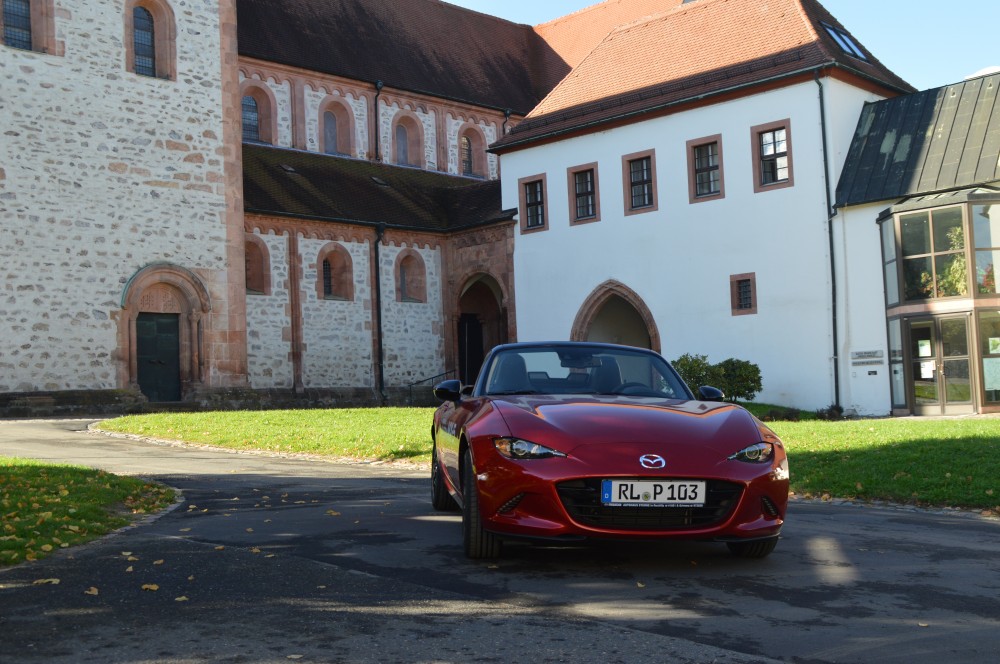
{"points": [[257, 106], [402, 145], [336, 126], [411, 277], [143, 41], [466, 152], [335, 274], [251, 120], [408, 140], [258, 266], [472, 152], [150, 41]]}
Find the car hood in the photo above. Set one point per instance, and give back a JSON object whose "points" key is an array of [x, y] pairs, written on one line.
{"points": [[567, 424]]}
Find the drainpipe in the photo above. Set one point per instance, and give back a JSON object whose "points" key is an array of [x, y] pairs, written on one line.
{"points": [[831, 213], [379, 350], [378, 129]]}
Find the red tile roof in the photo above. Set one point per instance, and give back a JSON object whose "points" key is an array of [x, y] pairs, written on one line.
{"points": [[689, 51]]}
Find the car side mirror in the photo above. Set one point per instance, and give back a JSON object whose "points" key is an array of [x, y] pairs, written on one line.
{"points": [[449, 390], [708, 393]]}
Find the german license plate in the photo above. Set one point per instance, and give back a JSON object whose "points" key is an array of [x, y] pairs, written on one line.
{"points": [[652, 493]]}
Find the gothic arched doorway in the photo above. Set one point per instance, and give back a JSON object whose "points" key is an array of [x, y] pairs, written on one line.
{"points": [[614, 313], [482, 324]]}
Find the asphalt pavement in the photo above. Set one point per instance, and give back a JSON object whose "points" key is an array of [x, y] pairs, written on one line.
{"points": [[275, 559]]}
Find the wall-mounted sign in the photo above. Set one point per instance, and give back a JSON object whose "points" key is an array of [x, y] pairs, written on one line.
{"points": [[866, 358]]}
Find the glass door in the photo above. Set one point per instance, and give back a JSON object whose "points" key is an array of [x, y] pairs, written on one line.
{"points": [[940, 366]]}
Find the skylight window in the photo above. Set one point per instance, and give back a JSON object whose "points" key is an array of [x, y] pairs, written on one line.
{"points": [[844, 41]]}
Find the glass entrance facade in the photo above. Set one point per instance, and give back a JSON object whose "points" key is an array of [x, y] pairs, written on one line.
{"points": [[943, 303]]}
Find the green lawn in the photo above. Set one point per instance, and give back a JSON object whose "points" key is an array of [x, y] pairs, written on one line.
{"points": [[45, 507], [953, 462]]}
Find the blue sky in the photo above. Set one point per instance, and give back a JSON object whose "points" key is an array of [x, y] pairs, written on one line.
{"points": [[929, 44]]}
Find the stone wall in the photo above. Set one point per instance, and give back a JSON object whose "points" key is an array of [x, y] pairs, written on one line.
{"points": [[106, 172], [336, 334], [269, 324]]}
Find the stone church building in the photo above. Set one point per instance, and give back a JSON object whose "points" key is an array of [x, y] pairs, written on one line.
{"points": [[252, 201]]}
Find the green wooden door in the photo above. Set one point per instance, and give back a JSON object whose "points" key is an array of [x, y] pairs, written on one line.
{"points": [[158, 350]]}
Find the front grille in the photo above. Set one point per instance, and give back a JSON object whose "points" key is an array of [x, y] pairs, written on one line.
{"points": [[582, 499]]}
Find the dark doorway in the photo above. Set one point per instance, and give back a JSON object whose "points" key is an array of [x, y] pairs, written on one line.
{"points": [[158, 354], [470, 347], [482, 324]]}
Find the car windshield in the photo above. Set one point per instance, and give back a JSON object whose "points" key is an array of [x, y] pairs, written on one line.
{"points": [[583, 370]]}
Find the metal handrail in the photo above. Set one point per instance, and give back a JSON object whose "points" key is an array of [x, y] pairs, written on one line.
{"points": [[425, 380]]}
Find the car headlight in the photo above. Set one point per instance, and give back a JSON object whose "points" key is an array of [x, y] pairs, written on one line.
{"points": [[759, 453], [515, 448]]}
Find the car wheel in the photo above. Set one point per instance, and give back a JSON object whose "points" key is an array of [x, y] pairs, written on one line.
{"points": [[754, 549], [478, 542], [441, 499]]}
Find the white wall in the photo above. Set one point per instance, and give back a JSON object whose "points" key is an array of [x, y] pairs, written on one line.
{"points": [[679, 258]]}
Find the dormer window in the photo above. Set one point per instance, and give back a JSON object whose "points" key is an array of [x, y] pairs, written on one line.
{"points": [[845, 42]]}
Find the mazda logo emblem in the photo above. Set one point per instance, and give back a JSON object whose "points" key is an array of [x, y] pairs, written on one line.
{"points": [[652, 461]]}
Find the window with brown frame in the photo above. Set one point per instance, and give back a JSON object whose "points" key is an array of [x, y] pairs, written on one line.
{"points": [[639, 179], [29, 25], [411, 278], [258, 267], [335, 274], [705, 173], [150, 39], [533, 203], [584, 199], [772, 155], [743, 294]]}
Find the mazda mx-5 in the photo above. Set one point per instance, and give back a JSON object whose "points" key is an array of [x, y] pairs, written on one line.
{"points": [[571, 441]]}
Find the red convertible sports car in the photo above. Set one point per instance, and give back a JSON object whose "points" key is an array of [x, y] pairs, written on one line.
{"points": [[570, 440]]}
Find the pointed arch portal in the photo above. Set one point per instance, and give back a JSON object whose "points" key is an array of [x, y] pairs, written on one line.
{"points": [[614, 313]]}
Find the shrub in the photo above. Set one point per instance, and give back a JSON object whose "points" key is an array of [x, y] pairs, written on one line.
{"points": [[697, 371], [831, 412], [740, 379]]}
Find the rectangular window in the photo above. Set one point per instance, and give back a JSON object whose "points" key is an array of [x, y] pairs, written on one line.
{"points": [[584, 199], [932, 248], [533, 203], [743, 294], [17, 23], [641, 182], [986, 231], [639, 178], [772, 155], [705, 179]]}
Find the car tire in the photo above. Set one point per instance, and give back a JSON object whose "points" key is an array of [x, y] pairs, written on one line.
{"points": [[754, 549], [441, 499], [479, 544]]}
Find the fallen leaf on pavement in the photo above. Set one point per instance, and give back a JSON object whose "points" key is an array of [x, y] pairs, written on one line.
{"points": [[46, 582], [91, 591], [152, 587]]}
